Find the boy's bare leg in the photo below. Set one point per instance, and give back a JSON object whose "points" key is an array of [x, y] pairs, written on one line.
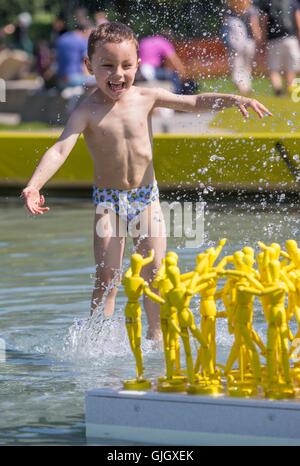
{"points": [[153, 227], [108, 251]]}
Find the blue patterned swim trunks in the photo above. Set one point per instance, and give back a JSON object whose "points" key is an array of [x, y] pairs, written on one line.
{"points": [[128, 204]]}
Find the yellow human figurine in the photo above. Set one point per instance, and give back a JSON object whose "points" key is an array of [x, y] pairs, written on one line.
{"points": [[294, 310], [279, 383], [244, 340], [293, 253], [205, 279], [240, 323], [173, 381], [214, 253], [227, 293], [211, 255], [269, 253], [178, 299], [274, 250], [253, 276], [134, 286], [265, 279], [244, 349], [206, 284], [243, 262]]}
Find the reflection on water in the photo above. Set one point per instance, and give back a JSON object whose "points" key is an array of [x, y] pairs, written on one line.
{"points": [[55, 352]]}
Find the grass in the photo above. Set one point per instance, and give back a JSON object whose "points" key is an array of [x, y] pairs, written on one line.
{"points": [[261, 86], [285, 111]]}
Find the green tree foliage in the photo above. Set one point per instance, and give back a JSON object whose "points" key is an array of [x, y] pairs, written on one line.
{"points": [[184, 18]]}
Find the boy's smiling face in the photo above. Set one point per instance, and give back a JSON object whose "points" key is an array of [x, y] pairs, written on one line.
{"points": [[114, 66]]}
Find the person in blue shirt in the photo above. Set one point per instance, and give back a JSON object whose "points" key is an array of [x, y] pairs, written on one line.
{"points": [[71, 48]]}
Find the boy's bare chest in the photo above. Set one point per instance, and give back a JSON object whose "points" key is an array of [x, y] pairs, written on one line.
{"points": [[126, 122]]}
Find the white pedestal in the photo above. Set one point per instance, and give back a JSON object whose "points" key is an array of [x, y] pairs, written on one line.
{"points": [[178, 419]]}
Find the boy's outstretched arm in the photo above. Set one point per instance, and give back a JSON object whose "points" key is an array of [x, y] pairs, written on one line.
{"points": [[52, 160], [208, 100]]}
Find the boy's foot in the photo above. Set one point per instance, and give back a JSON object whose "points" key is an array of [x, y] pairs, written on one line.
{"points": [[154, 335]]}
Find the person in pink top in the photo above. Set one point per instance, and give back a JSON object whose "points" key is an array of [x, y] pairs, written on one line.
{"points": [[159, 60]]}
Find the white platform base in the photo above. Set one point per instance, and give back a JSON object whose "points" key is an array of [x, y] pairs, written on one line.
{"points": [[176, 419]]}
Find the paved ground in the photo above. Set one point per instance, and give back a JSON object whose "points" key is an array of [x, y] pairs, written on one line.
{"points": [[163, 122], [187, 123], [9, 119]]}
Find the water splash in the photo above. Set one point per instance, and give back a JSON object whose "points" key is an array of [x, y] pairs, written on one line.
{"points": [[102, 338], [97, 336]]}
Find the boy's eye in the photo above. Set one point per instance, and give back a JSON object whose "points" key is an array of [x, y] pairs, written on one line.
{"points": [[107, 66]]}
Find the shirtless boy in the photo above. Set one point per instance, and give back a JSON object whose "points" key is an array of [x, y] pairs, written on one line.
{"points": [[116, 123]]}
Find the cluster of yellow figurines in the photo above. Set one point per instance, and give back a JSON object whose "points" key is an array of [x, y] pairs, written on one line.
{"points": [[275, 280]]}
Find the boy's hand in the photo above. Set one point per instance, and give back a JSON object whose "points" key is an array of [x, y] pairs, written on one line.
{"points": [[244, 102], [34, 201]]}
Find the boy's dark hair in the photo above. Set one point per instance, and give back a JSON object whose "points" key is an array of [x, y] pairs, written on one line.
{"points": [[114, 32]]}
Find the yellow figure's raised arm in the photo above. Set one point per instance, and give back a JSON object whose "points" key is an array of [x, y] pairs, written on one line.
{"points": [[262, 245], [186, 276], [147, 260], [233, 273], [198, 288], [269, 290], [128, 273], [219, 248], [153, 296], [207, 276], [193, 282], [287, 281], [254, 282], [250, 290], [284, 254], [223, 262]]}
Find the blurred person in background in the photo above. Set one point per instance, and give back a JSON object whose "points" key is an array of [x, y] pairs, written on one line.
{"points": [[46, 54], [241, 33], [71, 49], [18, 33], [160, 61], [59, 27], [100, 18], [279, 18], [44, 63], [20, 36], [16, 49]]}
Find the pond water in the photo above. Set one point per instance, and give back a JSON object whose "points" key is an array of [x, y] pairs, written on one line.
{"points": [[53, 353]]}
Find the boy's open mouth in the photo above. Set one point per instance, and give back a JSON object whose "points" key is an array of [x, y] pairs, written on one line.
{"points": [[116, 86]]}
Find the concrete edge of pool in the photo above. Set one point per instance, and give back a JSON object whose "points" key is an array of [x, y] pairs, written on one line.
{"points": [[264, 161], [177, 419]]}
